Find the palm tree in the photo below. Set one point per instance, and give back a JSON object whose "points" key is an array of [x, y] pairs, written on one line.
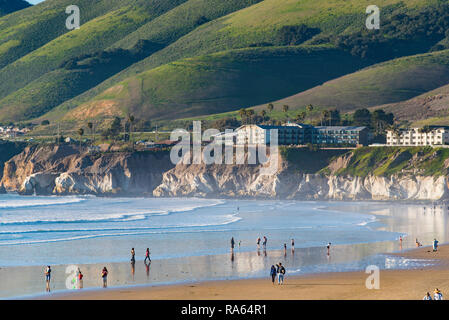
{"points": [[285, 109], [131, 121], [263, 113], [80, 133], [242, 114], [250, 114], [90, 125], [324, 116]]}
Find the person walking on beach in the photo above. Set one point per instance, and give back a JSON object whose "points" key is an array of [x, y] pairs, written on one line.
{"points": [[400, 242], [79, 276], [264, 242], [147, 255], [293, 244], [437, 295], [273, 273], [418, 244], [427, 296], [329, 249], [232, 243], [258, 243], [281, 274], [285, 249], [104, 276], [47, 278], [240, 243], [435, 245], [133, 255]]}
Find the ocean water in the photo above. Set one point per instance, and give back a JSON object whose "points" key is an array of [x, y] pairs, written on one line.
{"points": [[189, 238]]}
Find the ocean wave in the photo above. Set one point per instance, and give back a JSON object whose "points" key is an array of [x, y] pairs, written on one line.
{"points": [[129, 232], [9, 204]]}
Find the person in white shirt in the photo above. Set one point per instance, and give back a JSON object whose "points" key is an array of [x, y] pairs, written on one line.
{"points": [[437, 295]]}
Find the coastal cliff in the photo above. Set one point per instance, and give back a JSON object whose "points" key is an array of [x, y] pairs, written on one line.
{"points": [[67, 170], [362, 174]]}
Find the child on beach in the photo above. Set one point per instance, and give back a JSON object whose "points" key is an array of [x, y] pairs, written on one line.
{"points": [[435, 245], [104, 276], [427, 296]]}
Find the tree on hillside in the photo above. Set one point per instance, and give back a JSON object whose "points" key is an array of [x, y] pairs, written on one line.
{"points": [[80, 133], [334, 117], [325, 115], [131, 119], [270, 107], [309, 108], [250, 114], [381, 120], [362, 117], [90, 125], [263, 114], [300, 116], [243, 115], [285, 109]]}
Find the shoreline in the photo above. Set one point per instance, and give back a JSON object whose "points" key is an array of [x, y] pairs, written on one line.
{"points": [[410, 284]]}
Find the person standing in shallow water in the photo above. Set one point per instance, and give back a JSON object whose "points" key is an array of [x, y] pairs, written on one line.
{"points": [[147, 255], [133, 255], [232, 243], [104, 276], [258, 243]]}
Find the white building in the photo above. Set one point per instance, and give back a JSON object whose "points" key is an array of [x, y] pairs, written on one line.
{"points": [[417, 137], [290, 133]]}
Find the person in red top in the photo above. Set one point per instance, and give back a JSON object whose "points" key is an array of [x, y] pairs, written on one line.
{"points": [[104, 276], [147, 256], [80, 279]]}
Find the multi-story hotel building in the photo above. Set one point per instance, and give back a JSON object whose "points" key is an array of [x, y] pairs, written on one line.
{"points": [[298, 134], [436, 135]]}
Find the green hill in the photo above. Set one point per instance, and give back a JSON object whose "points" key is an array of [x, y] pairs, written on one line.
{"points": [[391, 81], [72, 64], [289, 23], [180, 58], [10, 6], [218, 82]]}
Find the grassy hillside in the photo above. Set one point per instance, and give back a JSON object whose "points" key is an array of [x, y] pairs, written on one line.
{"points": [[337, 24], [392, 81], [94, 35], [73, 71], [10, 6], [219, 82], [163, 83], [424, 161]]}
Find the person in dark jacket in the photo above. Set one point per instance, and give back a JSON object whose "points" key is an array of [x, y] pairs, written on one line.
{"points": [[273, 273]]}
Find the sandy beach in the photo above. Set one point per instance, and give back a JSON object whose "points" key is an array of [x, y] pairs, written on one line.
{"points": [[394, 285]]}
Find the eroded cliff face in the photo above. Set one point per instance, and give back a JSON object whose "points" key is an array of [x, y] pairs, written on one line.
{"points": [[65, 170], [289, 183]]}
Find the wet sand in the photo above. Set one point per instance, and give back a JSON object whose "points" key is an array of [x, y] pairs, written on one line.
{"points": [[394, 284]]}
